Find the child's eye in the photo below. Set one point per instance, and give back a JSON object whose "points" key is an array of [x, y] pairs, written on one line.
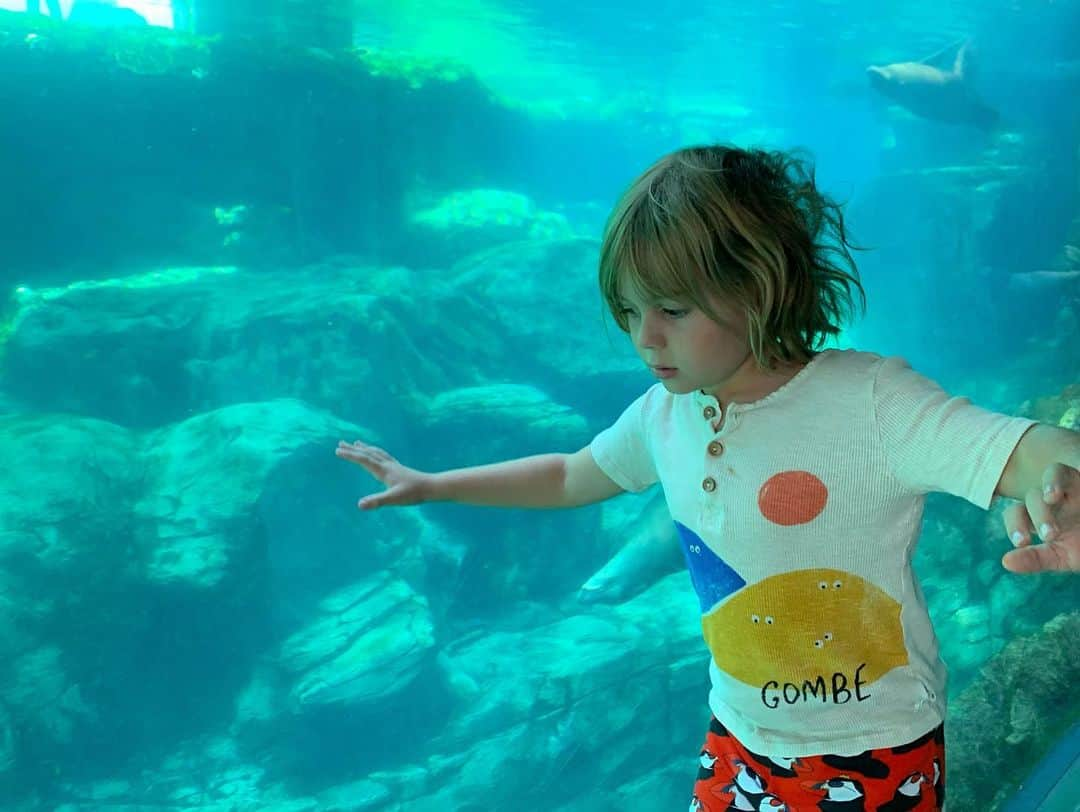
{"points": [[675, 313]]}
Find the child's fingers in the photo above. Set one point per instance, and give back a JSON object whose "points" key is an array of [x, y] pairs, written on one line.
{"points": [[369, 503], [370, 457], [1034, 559], [388, 498], [359, 445], [1041, 515], [355, 446], [1024, 521], [349, 452], [1018, 526], [384, 468], [1057, 479]]}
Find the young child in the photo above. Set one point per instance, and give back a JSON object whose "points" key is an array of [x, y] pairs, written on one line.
{"points": [[796, 479]]}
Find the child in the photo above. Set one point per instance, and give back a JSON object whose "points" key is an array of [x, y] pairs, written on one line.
{"points": [[796, 479]]}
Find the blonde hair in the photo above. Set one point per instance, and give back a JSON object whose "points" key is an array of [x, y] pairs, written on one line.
{"points": [[747, 226]]}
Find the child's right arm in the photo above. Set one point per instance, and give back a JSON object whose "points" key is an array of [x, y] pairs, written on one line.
{"points": [[542, 481]]}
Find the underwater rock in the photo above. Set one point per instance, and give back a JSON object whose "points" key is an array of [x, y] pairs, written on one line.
{"points": [[204, 477], [321, 131], [7, 742], [1062, 409], [65, 495], [502, 413], [97, 519], [518, 559], [154, 348], [82, 497], [258, 703], [1070, 419], [1023, 701], [42, 701], [368, 643], [208, 773], [544, 297], [357, 796], [565, 690], [470, 220]]}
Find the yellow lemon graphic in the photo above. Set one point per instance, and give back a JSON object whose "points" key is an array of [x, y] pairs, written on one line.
{"points": [[802, 626]]}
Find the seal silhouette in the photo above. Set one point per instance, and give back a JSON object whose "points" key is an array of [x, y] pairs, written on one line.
{"points": [[934, 88]]}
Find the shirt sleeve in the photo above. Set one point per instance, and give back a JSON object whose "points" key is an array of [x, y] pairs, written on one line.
{"points": [[934, 442], [622, 449]]}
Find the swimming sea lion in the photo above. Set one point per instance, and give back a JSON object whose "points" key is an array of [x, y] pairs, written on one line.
{"points": [[1044, 280], [933, 92], [651, 551]]}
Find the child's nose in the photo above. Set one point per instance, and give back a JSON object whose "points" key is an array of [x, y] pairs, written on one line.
{"points": [[650, 335]]}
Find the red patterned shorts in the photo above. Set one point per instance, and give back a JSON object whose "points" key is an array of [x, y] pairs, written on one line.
{"points": [[890, 779]]}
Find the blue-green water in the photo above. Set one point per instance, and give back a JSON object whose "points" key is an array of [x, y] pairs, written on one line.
{"points": [[230, 243]]}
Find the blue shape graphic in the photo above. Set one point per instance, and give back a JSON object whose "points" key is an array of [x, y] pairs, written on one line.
{"points": [[713, 579]]}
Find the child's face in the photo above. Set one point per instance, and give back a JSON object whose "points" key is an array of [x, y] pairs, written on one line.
{"points": [[687, 350]]}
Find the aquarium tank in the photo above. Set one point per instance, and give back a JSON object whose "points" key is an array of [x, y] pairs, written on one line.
{"points": [[234, 233]]}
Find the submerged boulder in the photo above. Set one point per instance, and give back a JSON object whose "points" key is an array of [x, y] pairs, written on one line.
{"points": [[1023, 701], [368, 642], [204, 478], [469, 220]]}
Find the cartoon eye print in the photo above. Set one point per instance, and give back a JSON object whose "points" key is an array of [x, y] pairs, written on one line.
{"points": [[825, 638]]}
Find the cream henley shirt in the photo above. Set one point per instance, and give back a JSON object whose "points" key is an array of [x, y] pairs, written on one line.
{"points": [[798, 518]]}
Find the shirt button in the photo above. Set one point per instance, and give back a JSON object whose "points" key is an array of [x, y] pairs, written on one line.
{"points": [[716, 448], [710, 412], [709, 484]]}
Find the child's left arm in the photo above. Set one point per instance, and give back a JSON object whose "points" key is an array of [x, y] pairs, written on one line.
{"points": [[1043, 474]]}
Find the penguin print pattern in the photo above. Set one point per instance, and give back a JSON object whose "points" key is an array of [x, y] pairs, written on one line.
{"points": [[908, 778]]}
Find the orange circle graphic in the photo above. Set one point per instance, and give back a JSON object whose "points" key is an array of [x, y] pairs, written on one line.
{"points": [[792, 497]]}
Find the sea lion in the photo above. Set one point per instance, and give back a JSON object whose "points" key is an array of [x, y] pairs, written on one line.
{"points": [[933, 91], [1043, 280], [651, 551]]}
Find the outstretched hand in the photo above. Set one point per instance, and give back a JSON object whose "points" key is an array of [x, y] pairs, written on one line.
{"points": [[404, 486], [1054, 514]]}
